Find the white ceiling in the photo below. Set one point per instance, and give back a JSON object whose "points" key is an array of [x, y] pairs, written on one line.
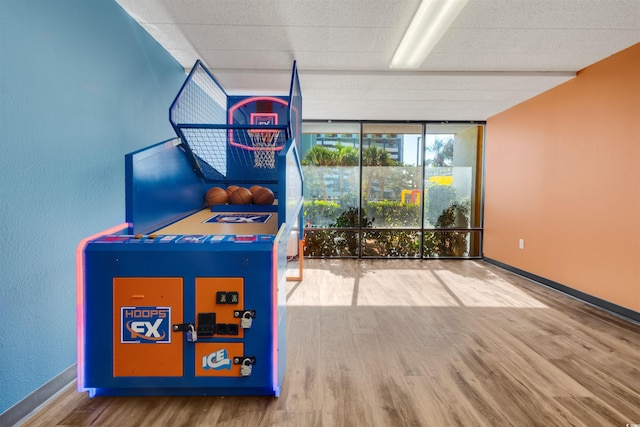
{"points": [[496, 54]]}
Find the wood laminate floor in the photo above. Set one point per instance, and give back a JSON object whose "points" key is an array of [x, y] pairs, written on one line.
{"points": [[416, 343]]}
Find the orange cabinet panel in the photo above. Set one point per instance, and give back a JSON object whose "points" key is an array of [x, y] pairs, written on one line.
{"points": [[144, 309]]}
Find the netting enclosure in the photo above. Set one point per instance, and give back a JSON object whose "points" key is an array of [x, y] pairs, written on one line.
{"points": [[230, 138]]}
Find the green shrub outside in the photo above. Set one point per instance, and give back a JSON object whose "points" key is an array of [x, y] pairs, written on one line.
{"points": [[439, 199], [334, 242]]}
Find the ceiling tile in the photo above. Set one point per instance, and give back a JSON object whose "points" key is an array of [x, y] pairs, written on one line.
{"points": [[496, 54]]}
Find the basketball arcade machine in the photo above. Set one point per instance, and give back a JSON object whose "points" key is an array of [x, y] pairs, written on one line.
{"points": [[187, 299]]}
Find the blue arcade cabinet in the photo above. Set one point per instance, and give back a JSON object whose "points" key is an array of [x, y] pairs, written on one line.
{"points": [[186, 298]]}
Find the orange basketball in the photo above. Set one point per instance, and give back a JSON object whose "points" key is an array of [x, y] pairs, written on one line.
{"points": [[254, 188], [231, 189], [241, 196], [263, 196], [216, 196]]}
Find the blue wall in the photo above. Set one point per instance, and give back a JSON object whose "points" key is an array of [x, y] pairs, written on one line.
{"points": [[81, 85]]}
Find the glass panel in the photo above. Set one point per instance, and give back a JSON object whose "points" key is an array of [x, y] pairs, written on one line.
{"points": [[451, 244], [453, 175], [391, 175], [391, 243], [331, 242], [330, 157], [370, 194]]}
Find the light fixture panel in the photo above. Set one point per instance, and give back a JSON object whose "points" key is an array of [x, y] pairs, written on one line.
{"points": [[431, 21]]}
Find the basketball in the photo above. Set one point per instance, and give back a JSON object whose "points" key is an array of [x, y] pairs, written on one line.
{"points": [[263, 196], [231, 189], [216, 196], [254, 188], [241, 196]]}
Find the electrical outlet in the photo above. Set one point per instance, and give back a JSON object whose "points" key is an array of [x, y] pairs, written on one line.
{"points": [[521, 244]]}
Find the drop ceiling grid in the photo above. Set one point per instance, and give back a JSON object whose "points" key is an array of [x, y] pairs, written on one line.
{"points": [[343, 49], [324, 13]]}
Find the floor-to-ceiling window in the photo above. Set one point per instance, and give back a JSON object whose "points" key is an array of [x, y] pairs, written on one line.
{"points": [[391, 190], [331, 165], [408, 190], [453, 190]]}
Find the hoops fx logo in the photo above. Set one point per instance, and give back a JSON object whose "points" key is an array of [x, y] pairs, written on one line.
{"points": [[145, 325]]}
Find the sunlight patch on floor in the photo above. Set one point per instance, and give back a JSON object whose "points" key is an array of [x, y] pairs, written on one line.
{"points": [[321, 288], [487, 292], [335, 286]]}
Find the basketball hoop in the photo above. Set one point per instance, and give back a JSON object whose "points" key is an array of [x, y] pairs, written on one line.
{"points": [[264, 143]]}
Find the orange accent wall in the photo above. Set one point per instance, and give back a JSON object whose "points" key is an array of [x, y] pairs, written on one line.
{"points": [[563, 173]]}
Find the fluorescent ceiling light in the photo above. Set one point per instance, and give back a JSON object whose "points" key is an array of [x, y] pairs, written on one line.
{"points": [[430, 22]]}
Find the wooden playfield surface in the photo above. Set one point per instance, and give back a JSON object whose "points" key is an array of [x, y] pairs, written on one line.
{"points": [[197, 224]]}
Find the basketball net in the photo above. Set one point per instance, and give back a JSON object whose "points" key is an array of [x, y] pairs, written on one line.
{"points": [[264, 144]]}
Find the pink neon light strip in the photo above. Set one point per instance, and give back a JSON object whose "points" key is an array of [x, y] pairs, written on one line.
{"points": [[246, 147], [80, 320]]}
